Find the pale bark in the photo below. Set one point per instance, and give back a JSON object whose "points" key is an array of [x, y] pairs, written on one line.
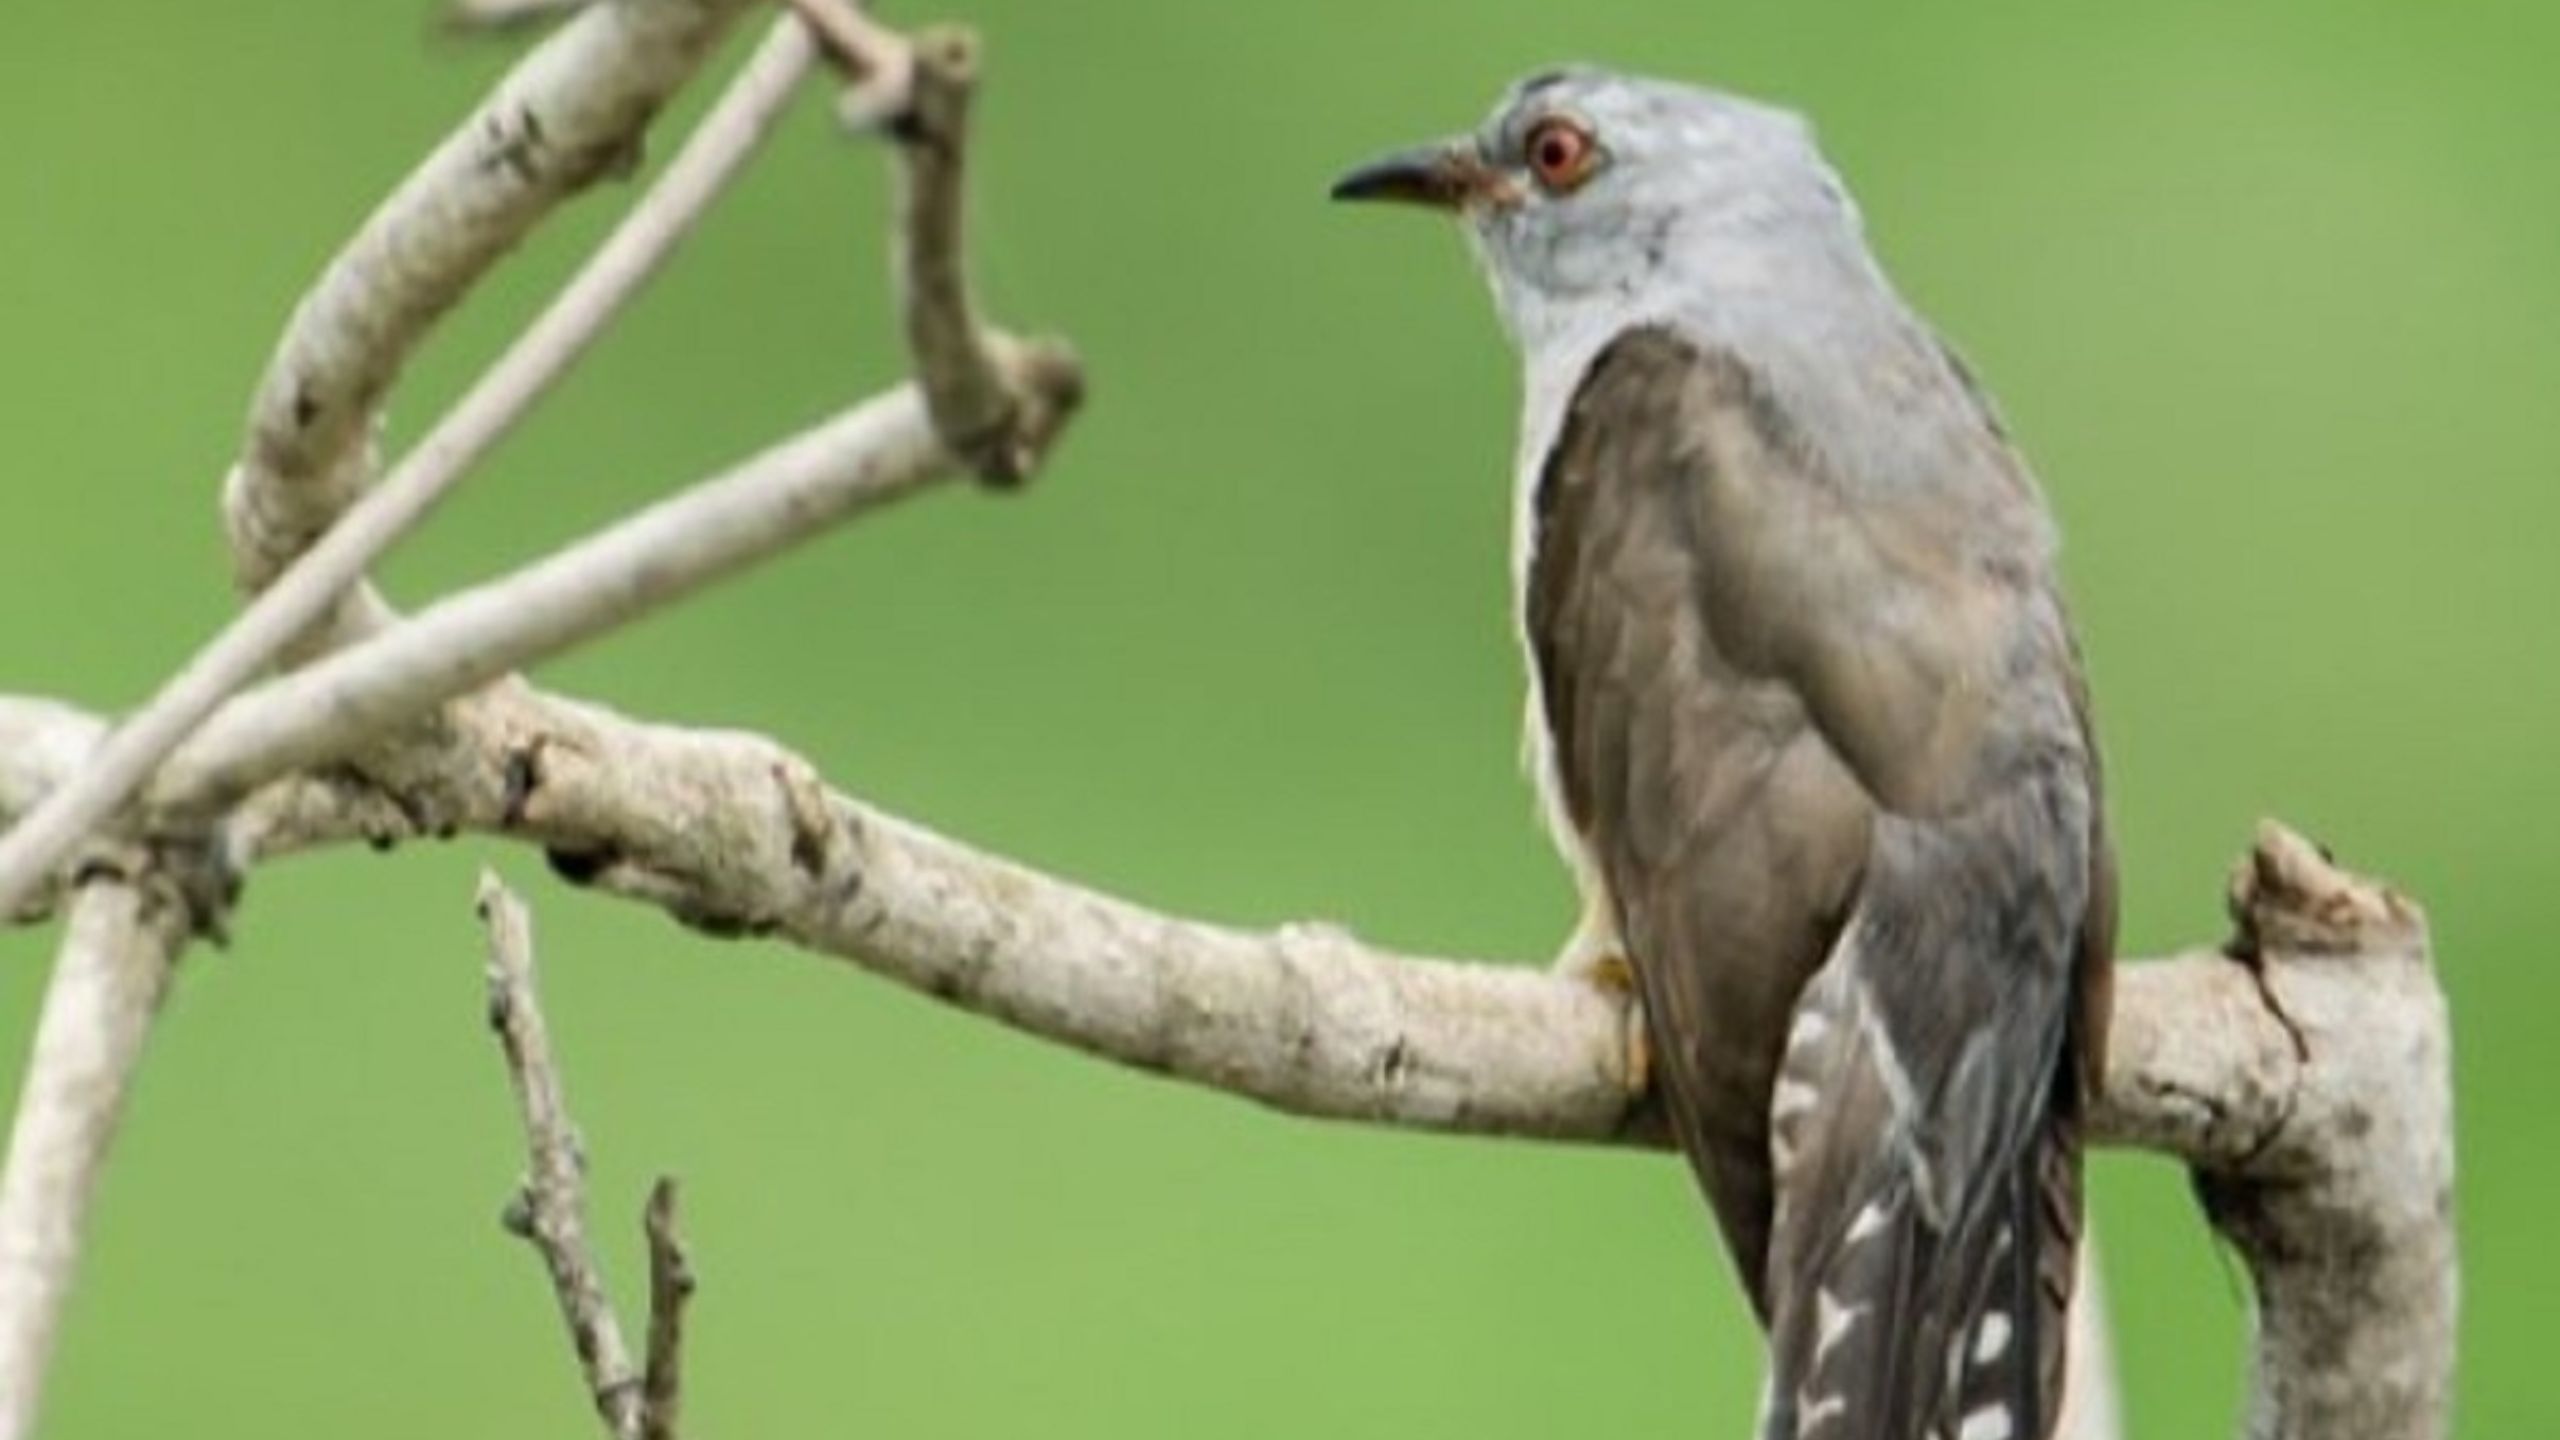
{"points": [[671, 1286], [2333, 1148], [2345, 1214], [107, 983], [976, 400], [570, 113], [549, 1210], [870, 455]]}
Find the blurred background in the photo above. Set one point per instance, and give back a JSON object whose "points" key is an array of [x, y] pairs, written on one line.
{"points": [[2266, 289]]}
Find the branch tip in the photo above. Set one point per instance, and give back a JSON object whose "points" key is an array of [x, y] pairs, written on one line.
{"points": [[2289, 895], [116, 957], [671, 1287]]}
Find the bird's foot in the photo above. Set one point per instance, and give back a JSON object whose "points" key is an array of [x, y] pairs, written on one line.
{"points": [[1605, 970], [1639, 1042], [1608, 971]]}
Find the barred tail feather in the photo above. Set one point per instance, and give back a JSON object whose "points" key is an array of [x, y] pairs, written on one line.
{"points": [[1908, 1328], [1925, 1143]]}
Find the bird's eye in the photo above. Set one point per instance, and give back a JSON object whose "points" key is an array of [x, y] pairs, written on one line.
{"points": [[1560, 153]]}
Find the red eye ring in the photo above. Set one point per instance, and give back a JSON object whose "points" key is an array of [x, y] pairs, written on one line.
{"points": [[1560, 153]]}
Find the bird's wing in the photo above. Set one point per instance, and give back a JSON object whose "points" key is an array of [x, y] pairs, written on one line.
{"points": [[1823, 738], [1728, 834]]}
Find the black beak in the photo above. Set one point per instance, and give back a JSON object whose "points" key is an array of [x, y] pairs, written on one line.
{"points": [[1442, 177]]}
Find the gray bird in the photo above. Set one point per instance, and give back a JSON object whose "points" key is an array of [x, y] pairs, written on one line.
{"points": [[1808, 721]]}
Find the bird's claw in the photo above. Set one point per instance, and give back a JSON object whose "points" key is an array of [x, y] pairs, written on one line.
{"points": [[1608, 971]]}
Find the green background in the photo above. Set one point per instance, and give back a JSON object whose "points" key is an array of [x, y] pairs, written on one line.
{"points": [[2268, 291]]}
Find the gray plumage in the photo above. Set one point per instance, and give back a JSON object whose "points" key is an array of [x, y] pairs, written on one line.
{"points": [[1810, 722]]}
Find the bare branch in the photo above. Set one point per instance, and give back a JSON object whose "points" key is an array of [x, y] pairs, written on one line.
{"points": [[2346, 1212], [570, 112], [983, 413], [1033, 389], [712, 157], [2307, 1084], [107, 983], [873, 453], [550, 1209], [919, 90], [732, 834], [878, 63], [50, 742], [671, 1287]]}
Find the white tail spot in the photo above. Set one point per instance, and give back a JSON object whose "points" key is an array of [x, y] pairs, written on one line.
{"points": [[1814, 1416], [1990, 1338], [1991, 1422], [1793, 1097], [1831, 1321], [1869, 1220]]}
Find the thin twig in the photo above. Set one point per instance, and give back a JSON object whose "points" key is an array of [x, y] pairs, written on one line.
{"points": [[550, 1209], [52, 743], [870, 455], [582, 92], [918, 89], [571, 113], [671, 1286], [986, 417], [876, 62], [107, 984], [712, 156]]}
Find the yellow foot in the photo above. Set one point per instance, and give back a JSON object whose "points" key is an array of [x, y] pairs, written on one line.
{"points": [[1608, 972], [1611, 972], [1639, 1076]]}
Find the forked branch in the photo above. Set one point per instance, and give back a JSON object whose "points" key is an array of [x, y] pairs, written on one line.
{"points": [[995, 400], [572, 112], [306, 529], [325, 712], [549, 1210]]}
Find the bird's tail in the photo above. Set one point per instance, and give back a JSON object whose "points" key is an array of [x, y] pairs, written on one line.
{"points": [[1926, 1133], [1920, 1330]]}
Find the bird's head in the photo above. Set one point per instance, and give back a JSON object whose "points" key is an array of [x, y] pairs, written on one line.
{"points": [[1587, 191]]}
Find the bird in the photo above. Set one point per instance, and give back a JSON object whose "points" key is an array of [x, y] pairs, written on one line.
{"points": [[1808, 719]]}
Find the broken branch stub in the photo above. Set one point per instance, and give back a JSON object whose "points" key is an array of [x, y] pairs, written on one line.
{"points": [[2345, 1214], [997, 401]]}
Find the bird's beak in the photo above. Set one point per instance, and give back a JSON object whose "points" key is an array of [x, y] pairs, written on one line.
{"points": [[1447, 176]]}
